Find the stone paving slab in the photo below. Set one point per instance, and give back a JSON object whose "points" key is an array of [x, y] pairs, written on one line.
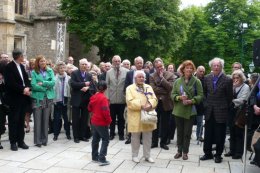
{"points": [[65, 156]]}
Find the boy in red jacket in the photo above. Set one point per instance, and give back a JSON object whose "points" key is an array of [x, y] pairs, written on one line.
{"points": [[100, 120]]}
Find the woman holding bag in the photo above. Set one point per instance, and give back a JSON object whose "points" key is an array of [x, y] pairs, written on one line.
{"points": [[187, 91], [240, 94], [140, 96]]}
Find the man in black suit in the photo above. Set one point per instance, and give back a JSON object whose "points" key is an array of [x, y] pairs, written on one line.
{"points": [[17, 95], [218, 92], [81, 84], [139, 63]]}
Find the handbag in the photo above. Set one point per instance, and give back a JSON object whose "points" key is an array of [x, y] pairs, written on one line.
{"points": [[240, 119], [149, 117]]}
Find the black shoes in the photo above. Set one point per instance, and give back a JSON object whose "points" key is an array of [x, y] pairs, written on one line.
{"points": [[1, 147], [23, 146], [14, 147], [111, 138], [76, 140], [206, 157], [55, 138], [84, 139], [38, 145], [229, 154], [128, 141], [121, 138], [68, 137], [165, 147], [218, 159]]}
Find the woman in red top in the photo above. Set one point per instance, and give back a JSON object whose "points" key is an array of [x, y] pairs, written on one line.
{"points": [[100, 120]]}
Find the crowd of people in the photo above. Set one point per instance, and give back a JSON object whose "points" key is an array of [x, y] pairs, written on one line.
{"points": [[94, 100]]}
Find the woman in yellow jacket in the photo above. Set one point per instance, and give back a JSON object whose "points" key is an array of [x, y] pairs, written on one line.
{"points": [[140, 96]]}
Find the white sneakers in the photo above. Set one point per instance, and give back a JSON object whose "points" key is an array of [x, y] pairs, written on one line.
{"points": [[150, 160], [136, 159]]}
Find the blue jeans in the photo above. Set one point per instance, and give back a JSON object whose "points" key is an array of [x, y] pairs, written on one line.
{"points": [[99, 132], [199, 129], [60, 109]]}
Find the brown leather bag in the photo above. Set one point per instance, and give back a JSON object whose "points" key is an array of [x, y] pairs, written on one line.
{"points": [[240, 119]]}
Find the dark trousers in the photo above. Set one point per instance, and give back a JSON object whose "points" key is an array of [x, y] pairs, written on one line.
{"points": [[162, 125], [99, 132], [184, 130], [80, 122], [16, 122], [117, 113], [3, 113], [60, 110], [199, 129], [236, 140], [214, 133], [172, 127]]}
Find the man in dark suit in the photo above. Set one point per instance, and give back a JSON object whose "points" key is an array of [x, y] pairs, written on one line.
{"points": [[17, 95], [162, 82], [81, 84], [218, 92], [139, 63]]}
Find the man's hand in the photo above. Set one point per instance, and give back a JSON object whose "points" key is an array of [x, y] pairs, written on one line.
{"points": [[87, 83], [26, 91], [84, 89], [161, 74], [257, 110]]}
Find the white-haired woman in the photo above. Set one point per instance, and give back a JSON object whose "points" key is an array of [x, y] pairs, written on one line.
{"points": [[240, 94], [62, 90], [140, 96]]}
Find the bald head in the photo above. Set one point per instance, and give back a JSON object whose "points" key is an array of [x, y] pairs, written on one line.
{"points": [[200, 71]]}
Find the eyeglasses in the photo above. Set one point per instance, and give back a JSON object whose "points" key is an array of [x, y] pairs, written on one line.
{"points": [[236, 77]]}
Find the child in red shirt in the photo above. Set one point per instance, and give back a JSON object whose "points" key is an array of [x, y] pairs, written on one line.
{"points": [[100, 120]]}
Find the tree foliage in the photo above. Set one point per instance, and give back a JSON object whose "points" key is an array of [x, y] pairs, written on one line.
{"points": [[148, 28], [216, 31]]}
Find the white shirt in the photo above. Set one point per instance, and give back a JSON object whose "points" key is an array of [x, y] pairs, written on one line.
{"points": [[20, 71]]}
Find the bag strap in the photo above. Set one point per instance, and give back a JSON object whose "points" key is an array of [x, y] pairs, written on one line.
{"points": [[258, 128]]}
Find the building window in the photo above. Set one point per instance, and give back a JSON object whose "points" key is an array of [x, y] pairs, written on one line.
{"points": [[21, 7], [19, 42]]}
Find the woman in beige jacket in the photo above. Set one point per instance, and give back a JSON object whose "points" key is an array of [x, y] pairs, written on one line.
{"points": [[140, 96]]}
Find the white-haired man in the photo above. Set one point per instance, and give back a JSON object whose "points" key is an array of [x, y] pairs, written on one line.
{"points": [[218, 92], [81, 84], [115, 79]]}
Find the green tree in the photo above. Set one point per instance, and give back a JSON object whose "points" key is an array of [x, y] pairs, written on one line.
{"points": [[216, 31], [148, 28]]}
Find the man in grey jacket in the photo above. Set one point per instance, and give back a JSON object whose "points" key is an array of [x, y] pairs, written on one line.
{"points": [[115, 79]]}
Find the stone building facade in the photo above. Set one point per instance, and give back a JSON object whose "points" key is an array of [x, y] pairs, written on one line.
{"points": [[31, 25]]}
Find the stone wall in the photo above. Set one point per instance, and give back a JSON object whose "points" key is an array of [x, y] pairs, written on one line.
{"points": [[46, 8], [37, 28]]}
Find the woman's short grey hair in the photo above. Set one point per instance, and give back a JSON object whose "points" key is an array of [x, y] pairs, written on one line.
{"points": [[137, 72], [221, 61], [240, 74]]}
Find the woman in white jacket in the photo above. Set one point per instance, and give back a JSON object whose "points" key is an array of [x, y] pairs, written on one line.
{"points": [[62, 91], [240, 94]]}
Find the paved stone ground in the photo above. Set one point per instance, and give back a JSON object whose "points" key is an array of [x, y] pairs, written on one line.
{"points": [[64, 156]]}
